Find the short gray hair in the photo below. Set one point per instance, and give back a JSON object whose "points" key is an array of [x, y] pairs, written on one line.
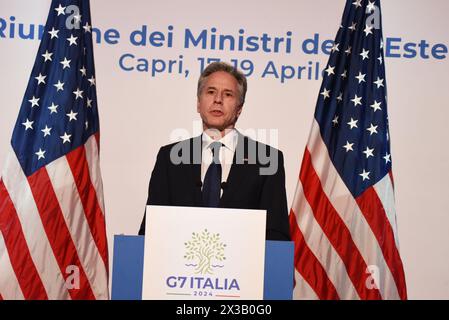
{"points": [[225, 67]]}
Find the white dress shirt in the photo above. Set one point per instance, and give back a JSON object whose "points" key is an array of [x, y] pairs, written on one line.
{"points": [[227, 151]]}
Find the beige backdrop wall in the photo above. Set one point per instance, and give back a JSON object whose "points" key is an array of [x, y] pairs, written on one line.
{"points": [[140, 112]]}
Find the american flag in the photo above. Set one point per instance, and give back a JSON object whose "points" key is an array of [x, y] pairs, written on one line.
{"points": [[343, 220], [53, 237]]}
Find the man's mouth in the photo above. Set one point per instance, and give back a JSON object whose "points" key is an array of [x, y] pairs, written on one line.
{"points": [[216, 113]]}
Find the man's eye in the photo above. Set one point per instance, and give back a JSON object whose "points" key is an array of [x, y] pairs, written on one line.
{"points": [[229, 94]]}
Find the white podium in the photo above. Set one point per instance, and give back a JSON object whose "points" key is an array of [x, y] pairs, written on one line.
{"points": [[204, 253]]}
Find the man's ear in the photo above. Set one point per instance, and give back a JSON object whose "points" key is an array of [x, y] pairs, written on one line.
{"points": [[239, 111]]}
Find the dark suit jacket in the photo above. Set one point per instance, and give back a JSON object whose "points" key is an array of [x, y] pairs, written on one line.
{"points": [[180, 184]]}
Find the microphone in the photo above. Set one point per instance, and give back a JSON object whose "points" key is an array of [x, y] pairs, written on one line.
{"points": [[199, 184]]}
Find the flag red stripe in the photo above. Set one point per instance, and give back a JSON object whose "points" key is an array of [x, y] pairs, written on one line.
{"points": [[58, 233], [1, 298], [95, 218], [391, 177], [18, 250], [308, 265], [97, 139], [375, 215], [335, 229]]}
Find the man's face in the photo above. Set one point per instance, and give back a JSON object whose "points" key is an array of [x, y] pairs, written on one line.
{"points": [[219, 100]]}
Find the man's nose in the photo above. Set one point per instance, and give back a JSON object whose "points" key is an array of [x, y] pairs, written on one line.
{"points": [[218, 98]]}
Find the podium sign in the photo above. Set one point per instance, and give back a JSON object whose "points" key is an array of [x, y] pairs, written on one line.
{"points": [[127, 269], [204, 253]]}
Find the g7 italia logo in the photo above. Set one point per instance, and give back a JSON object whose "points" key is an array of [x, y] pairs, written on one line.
{"points": [[204, 254], [205, 249]]}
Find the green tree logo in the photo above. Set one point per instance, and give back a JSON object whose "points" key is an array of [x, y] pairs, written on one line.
{"points": [[204, 247]]}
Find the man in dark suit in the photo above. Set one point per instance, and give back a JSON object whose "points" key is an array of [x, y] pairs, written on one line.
{"points": [[222, 168]]}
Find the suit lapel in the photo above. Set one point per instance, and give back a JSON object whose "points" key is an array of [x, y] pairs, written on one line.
{"points": [[195, 169]]}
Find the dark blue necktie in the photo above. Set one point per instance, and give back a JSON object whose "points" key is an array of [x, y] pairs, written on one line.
{"points": [[212, 180]]}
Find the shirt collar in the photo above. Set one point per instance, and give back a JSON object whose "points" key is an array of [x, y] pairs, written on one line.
{"points": [[229, 140]]}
